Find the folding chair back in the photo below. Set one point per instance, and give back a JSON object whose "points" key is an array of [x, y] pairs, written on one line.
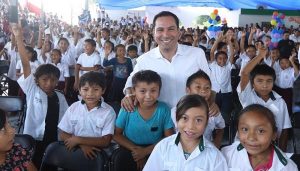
{"points": [[57, 155], [13, 104], [25, 140]]}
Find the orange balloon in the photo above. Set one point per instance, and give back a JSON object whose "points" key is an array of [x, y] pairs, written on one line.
{"points": [[216, 11]]}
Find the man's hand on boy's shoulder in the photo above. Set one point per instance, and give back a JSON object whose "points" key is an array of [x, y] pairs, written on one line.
{"points": [[129, 102]]}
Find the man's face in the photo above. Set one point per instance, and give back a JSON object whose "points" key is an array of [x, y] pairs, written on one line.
{"points": [[166, 33]]}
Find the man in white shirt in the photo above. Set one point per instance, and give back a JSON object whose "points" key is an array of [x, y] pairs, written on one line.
{"points": [[172, 61]]}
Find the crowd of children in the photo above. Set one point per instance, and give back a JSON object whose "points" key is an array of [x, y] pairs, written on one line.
{"points": [[69, 82]]}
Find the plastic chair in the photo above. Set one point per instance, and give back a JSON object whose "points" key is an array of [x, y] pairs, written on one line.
{"points": [[25, 140], [56, 154], [14, 104], [295, 119]]}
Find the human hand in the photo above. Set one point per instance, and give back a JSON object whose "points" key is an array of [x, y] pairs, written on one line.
{"points": [[262, 50], [16, 29], [138, 153], [140, 164], [71, 142], [128, 102], [214, 110], [89, 152]]}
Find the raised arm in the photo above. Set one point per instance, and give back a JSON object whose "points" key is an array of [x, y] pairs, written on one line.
{"points": [[250, 39], [17, 31], [220, 38], [262, 51], [242, 42], [292, 60]]}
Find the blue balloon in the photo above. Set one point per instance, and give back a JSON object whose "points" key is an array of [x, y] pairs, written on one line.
{"points": [[210, 21]]}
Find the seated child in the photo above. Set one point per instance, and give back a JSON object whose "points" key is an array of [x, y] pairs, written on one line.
{"points": [[199, 83], [256, 150], [137, 132], [256, 88], [45, 106], [89, 123], [188, 149], [12, 156]]}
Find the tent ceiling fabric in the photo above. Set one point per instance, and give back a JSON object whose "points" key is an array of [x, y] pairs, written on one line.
{"points": [[229, 4]]}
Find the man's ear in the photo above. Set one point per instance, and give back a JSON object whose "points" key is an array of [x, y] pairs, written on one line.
{"points": [[187, 90]]}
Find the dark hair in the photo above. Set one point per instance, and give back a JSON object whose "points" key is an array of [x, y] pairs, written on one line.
{"points": [[33, 53], [93, 78], [106, 30], [132, 48], [190, 101], [198, 74], [166, 14], [91, 42], [220, 45], [58, 51], [2, 118], [63, 39], [263, 111], [220, 53], [119, 46], [251, 46], [47, 69], [111, 44], [147, 76], [262, 69]]}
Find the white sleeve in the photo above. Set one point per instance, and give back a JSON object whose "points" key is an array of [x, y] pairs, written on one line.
{"points": [[79, 60], [287, 120], [66, 70], [109, 125], [244, 95], [202, 61], [65, 123], [155, 161], [219, 122], [27, 84]]}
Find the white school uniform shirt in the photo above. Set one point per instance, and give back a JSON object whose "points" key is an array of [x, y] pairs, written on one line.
{"points": [[14, 57], [221, 77], [275, 103], [97, 122], [285, 78], [174, 74], [238, 160], [86, 60], [64, 71], [40, 57], [244, 60], [33, 66], [168, 155], [69, 58], [276, 65], [37, 104], [215, 122]]}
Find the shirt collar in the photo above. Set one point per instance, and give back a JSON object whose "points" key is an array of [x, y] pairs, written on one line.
{"points": [[100, 104], [271, 95], [281, 158], [201, 142], [179, 51]]}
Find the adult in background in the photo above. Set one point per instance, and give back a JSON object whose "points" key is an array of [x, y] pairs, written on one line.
{"points": [[172, 61]]}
